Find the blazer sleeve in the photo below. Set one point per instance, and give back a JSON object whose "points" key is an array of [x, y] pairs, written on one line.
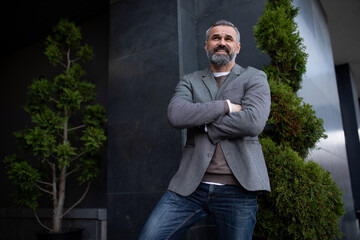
{"points": [[183, 112], [251, 120]]}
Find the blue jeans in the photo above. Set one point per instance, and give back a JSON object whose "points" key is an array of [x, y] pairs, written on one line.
{"points": [[233, 208]]}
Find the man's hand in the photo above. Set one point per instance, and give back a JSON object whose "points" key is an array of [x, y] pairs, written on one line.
{"points": [[235, 107]]}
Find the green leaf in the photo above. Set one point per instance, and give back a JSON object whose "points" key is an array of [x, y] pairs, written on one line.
{"points": [[65, 153], [85, 52], [41, 141], [94, 115], [39, 93], [75, 72], [53, 52], [87, 91], [70, 100], [89, 168], [47, 119], [93, 138], [24, 177]]}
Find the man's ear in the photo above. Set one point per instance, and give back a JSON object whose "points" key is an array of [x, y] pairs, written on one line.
{"points": [[238, 49], [205, 47]]}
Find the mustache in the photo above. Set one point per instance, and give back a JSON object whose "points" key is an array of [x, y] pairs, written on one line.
{"points": [[222, 48]]}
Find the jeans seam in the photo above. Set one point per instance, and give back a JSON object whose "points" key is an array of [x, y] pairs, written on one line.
{"points": [[182, 224]]}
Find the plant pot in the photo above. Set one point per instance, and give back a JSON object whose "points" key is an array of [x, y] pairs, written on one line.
{"points": [[71, 234]]}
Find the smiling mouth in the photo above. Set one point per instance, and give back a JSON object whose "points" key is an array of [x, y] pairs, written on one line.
{"points": [[222, 51]]}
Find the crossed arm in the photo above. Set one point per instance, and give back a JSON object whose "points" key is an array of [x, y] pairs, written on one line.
{"points": [[247, 119]]}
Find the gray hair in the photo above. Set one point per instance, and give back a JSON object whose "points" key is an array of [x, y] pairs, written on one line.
{"points": [[223, 23]]}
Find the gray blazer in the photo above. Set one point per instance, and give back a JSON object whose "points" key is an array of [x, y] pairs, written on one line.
{"points": [[197, 101]]}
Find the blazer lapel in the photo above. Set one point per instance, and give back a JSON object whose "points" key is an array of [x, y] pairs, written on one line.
{"points": [[209, 81], [234, 73]]}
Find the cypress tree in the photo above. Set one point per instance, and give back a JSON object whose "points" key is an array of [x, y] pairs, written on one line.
{"points": [[305, 203]]}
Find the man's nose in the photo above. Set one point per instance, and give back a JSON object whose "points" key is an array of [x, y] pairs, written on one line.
{"points": [[222, 42]]}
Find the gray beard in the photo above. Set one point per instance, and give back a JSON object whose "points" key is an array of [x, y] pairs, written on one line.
{"points": [[220, 59]]}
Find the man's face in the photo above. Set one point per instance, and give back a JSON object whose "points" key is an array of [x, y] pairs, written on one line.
{"points": [[222, 45]]}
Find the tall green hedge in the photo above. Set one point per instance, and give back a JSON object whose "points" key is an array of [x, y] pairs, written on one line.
{"points": [[292, 122], [305, 203], [277, 36]]}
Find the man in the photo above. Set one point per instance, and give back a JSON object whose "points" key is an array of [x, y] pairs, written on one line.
{"points": [[224, 108]]}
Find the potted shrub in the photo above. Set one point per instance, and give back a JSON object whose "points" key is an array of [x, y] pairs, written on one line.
{"points": [[66, 133]]}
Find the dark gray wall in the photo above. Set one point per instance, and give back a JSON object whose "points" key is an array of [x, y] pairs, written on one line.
{"points": [[244, 14], [319, 89], [350, 116], [196, 16], [143, 150]]}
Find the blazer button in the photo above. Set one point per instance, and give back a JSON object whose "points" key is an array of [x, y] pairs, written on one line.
{"points": [[209, 155]]}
